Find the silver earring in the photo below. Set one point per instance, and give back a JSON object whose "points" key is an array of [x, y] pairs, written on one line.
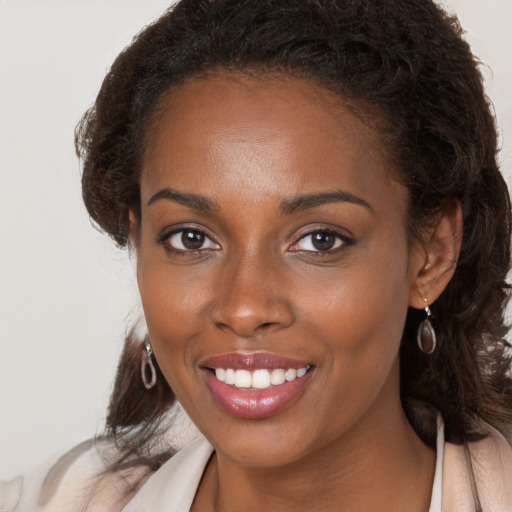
{"points": [[426, 336], [147, 366]]}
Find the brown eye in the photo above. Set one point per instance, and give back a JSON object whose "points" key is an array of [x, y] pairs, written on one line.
{"points": [[190, 240], [323, 241], [319, 241]]}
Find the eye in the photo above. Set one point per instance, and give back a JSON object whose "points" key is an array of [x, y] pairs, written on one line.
{"points": [[189, 240], [319, 241]]}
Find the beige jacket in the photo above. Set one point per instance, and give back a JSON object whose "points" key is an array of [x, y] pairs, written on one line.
{"points": [[73, 487]]}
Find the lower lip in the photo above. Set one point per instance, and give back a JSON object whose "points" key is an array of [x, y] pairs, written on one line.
{"points": [[255, 404]]}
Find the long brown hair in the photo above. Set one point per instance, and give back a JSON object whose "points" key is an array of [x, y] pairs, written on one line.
{"points": [[407, 62]]}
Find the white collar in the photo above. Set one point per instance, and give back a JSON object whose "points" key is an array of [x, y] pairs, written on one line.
{"points": [[173, 487], [437, 488]]}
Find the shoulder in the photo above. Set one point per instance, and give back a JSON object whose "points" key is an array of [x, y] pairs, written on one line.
{"points": [[491, 462], [71, 483]]}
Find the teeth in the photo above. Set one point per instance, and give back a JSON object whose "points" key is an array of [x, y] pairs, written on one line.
{"points": [[230, 376], [291, 374], [277, 377], [242, 379], [301, 372], [258, 379]]}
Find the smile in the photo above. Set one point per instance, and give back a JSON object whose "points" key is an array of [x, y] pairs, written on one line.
{"points": [[257, 385]]}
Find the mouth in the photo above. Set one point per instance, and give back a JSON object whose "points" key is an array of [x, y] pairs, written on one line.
{"points": [[257, 385]]}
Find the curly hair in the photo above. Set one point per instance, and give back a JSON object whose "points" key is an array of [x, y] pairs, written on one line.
{"points": [[406, 61]]}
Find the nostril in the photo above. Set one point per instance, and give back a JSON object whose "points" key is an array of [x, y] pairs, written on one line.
{"points": [[246, 316]]}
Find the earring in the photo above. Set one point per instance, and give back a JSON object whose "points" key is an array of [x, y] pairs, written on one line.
{"points": [[426, 336], [147, 366]]}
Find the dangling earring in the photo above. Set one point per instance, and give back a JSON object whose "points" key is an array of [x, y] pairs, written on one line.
{"points": [[426, 336], [147, 366]]}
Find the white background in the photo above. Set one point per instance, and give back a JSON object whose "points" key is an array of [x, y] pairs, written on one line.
{"points": [[67, 295]]}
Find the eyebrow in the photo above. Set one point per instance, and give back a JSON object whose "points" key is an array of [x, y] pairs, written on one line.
{"points": [[304, 202], [194, 201], [287, 206]]}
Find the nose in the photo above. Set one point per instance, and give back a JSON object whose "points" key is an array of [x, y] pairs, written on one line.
{"points": [[251, 297]]}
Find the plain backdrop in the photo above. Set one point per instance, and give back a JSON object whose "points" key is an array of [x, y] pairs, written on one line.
{"points": [[67, 295]]}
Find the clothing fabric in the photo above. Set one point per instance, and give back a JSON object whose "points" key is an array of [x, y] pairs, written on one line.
{"points": [[172, 488]]}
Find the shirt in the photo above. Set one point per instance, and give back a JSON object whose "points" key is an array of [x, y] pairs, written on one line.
{"points": [[173, 486]]}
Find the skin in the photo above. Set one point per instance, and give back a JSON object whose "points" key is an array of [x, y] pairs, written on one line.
{"points": [[246, 146]]}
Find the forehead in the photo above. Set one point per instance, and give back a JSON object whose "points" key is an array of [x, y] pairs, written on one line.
{"points": [[263, 134]]}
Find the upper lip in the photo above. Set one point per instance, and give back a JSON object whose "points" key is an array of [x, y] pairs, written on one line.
{"points": [[252, 361]]}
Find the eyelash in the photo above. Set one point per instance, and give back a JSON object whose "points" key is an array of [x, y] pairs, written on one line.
{"points": [[342, 241], [166, 238]]}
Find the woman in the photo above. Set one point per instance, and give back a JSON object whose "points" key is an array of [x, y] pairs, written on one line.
{"points": [[322, 238]]}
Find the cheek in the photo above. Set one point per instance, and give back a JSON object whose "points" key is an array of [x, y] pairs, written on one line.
{"points": [[172, 295], [360, 317], [369, 290], [175, 306]]}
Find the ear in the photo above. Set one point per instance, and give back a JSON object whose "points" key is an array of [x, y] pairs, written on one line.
{"points": [[435, 258]]}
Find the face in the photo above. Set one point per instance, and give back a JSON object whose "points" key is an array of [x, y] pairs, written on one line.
{"points": [[273, 266]]}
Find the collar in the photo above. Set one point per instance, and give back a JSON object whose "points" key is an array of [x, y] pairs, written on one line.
{"points": [[173, 487], [437, 488]]}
